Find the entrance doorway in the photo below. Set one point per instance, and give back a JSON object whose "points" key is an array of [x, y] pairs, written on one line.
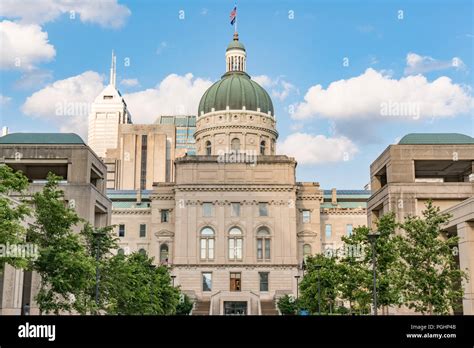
{"points": [[235, 308]]}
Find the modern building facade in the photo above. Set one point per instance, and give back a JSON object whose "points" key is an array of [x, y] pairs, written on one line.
{"points": [[436, 167], [83, 182]]}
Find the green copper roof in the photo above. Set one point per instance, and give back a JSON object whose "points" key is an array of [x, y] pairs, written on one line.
{"points": [[235, 44], [435, 139], [235, 90], [41, 138]]}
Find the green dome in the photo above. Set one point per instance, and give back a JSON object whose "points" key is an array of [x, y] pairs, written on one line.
{"points": [[235, 89], [235, 44]]}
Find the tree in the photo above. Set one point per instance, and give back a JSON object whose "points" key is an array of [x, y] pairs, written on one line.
{"points": [[329, 278], [133, 286], [66, 270], [12, 214], [185, 305], [287, 305], [432, 276]]}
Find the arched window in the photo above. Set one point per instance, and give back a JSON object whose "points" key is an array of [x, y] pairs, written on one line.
{"points": [[164, 253], [306, 251], [262, 147], [263, 244], [207, 243], [235, 244], [235, 145], [208, 148], [142, 251]]}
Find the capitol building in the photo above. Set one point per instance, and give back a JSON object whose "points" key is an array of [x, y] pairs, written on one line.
{"points": [[208, 196]]}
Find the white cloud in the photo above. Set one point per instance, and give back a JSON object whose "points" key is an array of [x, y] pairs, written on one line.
{"points": [[4, 99], [175, 95], [23, 46], [130, 82], [106, 13], [417, 64], [279, 88], [66, 102], [33, 79], [365, 96], [316, 149], [163, 45]]}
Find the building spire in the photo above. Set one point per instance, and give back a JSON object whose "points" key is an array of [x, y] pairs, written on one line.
{"points": [[113, 72]]}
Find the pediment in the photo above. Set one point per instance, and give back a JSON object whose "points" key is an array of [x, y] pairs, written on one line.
{"points": [[306, 233], [164, 233]]}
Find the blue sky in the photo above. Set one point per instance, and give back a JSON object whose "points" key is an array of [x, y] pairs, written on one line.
{"points": [[335, 133]]}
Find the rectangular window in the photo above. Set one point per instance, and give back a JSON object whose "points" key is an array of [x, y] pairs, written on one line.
{"points": [[203, 248], [267, 249], [210, 245], [121, 230], [143, 162], [306, 216], [142, 230], [207, 281], [260, 249], [165, 215], [263, 281], [263, 209], [349, 230], [328, 231], [207, 209], [235, 281], [235, 209]]}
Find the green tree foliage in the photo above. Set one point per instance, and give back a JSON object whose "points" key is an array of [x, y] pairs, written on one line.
{"points": [[134, 287], [432, 276], [287, 305], [185, 305], [66, 270], [12, 213]]}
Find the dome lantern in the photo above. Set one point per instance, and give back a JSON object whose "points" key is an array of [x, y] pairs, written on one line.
{"points": [[236, 56]]}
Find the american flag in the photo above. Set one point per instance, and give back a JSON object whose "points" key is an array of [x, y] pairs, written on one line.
{"points": [[233, 15]]}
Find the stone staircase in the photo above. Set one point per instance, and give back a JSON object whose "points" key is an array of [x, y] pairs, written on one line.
{"points": [[202, 308], [268, 307]]}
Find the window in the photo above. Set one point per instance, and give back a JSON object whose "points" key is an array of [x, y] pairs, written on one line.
{"points": [[207, 281], [121, 230], [208, 148], [164, 252], [120, 252], [263, 281], [235, 145], [349, 230], [306, 216], [235, 281], [235, 209], [263, 244], [143, 162], [142, 230], [262, 148], [207, 243], [263, 209], [306, 251], [207, 209], [328, 231], [235, 244], [142, 251], [165, 215]]}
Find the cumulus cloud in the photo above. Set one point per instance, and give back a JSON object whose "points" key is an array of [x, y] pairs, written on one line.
{"points": [[174, 95], [317, 149], [106, 13], [33, 79], [417, 64], [130, 82], [279, 88], [23, 46], [66, 102], [373, 94]]}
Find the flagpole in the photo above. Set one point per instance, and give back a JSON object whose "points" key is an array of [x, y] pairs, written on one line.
{"points": [[235, 27]]}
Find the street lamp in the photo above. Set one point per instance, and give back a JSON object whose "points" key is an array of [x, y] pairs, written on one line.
{"points": [[373, 240], [97, 234], [318, 268], [172, 277], [297, 284]]}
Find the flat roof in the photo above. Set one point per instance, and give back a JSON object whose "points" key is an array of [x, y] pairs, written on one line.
{"points": [[41, 138]]}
